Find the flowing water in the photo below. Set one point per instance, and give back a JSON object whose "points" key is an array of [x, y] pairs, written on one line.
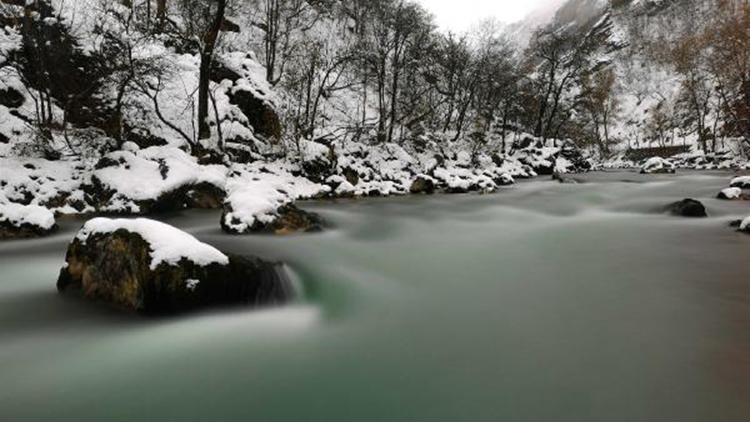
{"points": [[544, 302]]}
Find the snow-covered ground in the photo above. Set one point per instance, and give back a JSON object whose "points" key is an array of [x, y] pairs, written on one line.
{"points": [[135, 181]]}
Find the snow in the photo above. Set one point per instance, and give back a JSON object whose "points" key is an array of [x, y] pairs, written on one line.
{"points": [[256, 191], [168, 244], [255, 203], [731, 193], [152, 172], [39, 180], [192, 284], [18, 215], [740, 182], [745, 225], [657, 164]]}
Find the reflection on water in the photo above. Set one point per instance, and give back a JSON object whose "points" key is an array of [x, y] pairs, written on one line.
{"points": [[542, 302]]}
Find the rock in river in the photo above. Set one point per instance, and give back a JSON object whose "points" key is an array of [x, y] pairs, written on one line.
{"points": [[688, 208], [731, 194], [658, 165], [25, 221], [153, 268], [260, 208]]}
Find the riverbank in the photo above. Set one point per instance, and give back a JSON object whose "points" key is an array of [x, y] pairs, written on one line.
{"points": [[256, 196]]}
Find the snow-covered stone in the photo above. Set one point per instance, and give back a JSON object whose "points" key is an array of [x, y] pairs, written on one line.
{"points": [[150, 267], [742, 182], [260, 208], [730, 194], [656, 165], [21, 221], [151, 179]]}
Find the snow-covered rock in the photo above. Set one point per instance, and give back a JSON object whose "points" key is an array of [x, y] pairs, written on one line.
{"points": [[744, 225], [742, 182], [260, 208], [150, 180], [51, 184], [657, 165], [730, 194], [150, 267], [23, 221]]}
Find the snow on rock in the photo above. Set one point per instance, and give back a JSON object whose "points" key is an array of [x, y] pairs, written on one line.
{"points": [[742, 182], [657, 165], [730, 194], [19, 221], [252, 206], [149, 179], [50, 184], [460, 180], [730, 157], [168, 244], [261, 198], [542, 159]]}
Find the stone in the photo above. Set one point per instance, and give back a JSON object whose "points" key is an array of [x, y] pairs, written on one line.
{"points": [[688, 208], [116, 268]]}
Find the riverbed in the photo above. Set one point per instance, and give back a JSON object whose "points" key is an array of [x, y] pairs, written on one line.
{"points": [[542, 302]]}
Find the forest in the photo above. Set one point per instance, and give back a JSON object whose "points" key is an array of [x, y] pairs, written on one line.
{"points": [[374, 71]]}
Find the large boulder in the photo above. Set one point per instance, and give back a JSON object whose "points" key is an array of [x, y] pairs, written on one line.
{"points": [[687, 208], [152, 268], [25, 221]]}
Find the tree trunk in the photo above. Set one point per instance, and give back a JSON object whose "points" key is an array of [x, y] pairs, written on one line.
{"points": [[209, 44], [161, 15]]}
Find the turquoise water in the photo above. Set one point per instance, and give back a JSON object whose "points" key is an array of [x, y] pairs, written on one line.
{"points": [[544, 302]]}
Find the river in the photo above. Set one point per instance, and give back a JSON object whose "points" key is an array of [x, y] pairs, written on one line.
{"points": [[543, 302]]}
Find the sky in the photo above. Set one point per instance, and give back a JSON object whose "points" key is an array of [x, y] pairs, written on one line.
{"points": [[460, 15]]}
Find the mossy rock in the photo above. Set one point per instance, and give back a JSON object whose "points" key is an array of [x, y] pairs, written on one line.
{"points": [[115, 268]]}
